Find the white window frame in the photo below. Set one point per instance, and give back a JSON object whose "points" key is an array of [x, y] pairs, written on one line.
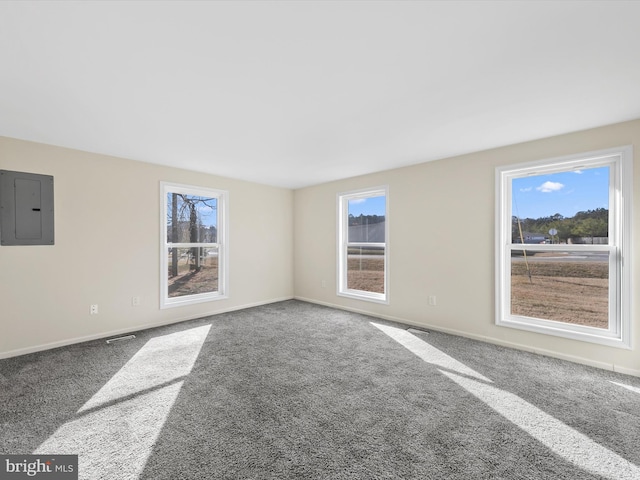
{"points": [[343, 244], [620, 161], [222, 197]]}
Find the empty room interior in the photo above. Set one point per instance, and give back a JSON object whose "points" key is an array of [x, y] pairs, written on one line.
{"points": [[341, 240]]}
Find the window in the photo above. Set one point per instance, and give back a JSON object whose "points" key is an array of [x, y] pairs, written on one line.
{"points": [[362, 244], [563, 246], [193, 254]]}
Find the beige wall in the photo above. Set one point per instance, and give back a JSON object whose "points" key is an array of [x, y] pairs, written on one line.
{"points": [[107, 249], [433, 209]]}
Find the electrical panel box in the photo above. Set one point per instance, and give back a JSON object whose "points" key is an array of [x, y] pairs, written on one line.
{"points": [[26, 209]]}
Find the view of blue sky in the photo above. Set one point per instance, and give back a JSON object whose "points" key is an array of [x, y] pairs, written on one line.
{"points": [[367, 206], [206, 208], [565, 193]]}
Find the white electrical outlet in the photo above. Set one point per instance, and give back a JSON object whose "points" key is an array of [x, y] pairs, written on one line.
{"points": [[432, 300], [135, 301], [94, 309], [324, 284]]}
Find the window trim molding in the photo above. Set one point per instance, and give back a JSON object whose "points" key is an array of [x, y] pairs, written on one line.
{"points": [[620, 160], [342, 220], [222, 197]]}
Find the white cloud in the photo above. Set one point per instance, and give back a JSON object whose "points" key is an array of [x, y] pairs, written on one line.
{"points": [[528, 189], [579, 172], [357, 200], [547, 187]]}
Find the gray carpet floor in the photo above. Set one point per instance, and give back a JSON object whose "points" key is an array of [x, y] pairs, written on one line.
{"points": [[295, 390]]}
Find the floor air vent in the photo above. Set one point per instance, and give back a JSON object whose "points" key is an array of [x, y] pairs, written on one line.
{"points": [[119, 339], [417, 331]]}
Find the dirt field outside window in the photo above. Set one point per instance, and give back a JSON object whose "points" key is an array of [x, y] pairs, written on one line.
{"points": [[570, 292]]}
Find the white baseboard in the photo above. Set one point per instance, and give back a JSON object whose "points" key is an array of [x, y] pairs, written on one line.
{"points": [[626, 371], [137, 328], [482, 338]]}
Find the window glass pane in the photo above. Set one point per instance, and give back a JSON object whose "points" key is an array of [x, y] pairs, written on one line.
{"points": [[192, 271], [191, 218], [365, 269], [367, 220], [564, 207], [569, 287]]}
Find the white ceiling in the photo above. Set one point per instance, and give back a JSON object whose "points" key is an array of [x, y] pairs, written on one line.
{"points": [[298, 93]]}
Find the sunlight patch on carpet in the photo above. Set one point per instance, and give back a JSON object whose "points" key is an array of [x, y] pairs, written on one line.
{"points": [[628, 387], [563, 440], [124, 418], [427, 352]]}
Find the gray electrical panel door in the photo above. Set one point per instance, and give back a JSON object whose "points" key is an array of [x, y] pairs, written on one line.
{"points": [[26, 209]]}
